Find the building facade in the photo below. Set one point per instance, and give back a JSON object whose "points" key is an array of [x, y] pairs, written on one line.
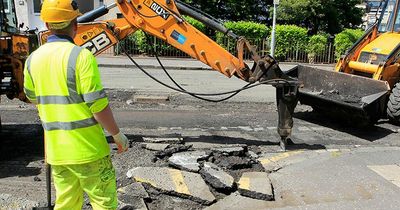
{"points": [[28, 11]]}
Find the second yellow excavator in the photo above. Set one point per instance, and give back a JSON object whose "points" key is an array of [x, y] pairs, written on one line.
{"points": [[365, 85]]}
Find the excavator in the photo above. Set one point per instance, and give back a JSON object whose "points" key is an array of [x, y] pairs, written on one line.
{"points": [[15, 46]]}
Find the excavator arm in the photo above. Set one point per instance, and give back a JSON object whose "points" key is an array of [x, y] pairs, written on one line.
{"points": [[163, 19]]}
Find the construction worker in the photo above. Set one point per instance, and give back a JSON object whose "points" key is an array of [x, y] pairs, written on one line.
{"points": [[63, 80]]}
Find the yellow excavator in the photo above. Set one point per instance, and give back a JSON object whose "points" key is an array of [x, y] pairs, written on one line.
{"points": [[15, 46], [365, 85]]}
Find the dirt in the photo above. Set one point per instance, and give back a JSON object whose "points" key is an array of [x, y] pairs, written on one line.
{"points": [[337, 96]]}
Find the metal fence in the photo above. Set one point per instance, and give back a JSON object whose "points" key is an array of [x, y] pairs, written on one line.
{"points": [[293, 53]]}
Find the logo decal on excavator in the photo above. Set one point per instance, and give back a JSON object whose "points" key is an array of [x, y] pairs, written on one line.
{"points": [[159, 10], [98, 43]]}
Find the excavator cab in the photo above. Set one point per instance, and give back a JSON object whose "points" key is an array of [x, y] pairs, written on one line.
{"points": [[364, 86], [15, 46]]}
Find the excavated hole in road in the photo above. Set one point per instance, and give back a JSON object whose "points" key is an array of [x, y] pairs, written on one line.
{"points": [[234, 164]]}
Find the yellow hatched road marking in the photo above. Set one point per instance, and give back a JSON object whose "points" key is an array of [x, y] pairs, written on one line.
{"points": [[179, 181], [244, 183], [281, 156], [138, 179]]}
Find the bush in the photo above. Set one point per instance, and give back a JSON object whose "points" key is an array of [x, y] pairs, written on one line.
{"points": [[289, 38], [316, 44], [250, 30], [345, 39]]}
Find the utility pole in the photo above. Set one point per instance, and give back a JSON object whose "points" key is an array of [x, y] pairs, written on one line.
{"points": [[276, 3]]}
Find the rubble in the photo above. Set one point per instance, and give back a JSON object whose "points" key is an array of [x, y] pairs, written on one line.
{"points": [[154, 146], [232, 162], [168, 140], [135, 189], [216, 177], [188, 160], [252, 155], [175, 182], [206, 145], [134, 203], [171, 149], [233, 151], [256, 185]]}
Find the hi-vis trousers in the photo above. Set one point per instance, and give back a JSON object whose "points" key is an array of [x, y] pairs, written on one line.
{"points": [[96, 178]]}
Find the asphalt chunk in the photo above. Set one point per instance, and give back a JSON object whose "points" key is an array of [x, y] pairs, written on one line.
{"points": [[188, 160], [217, 177], [256, 185], [174, 182]]}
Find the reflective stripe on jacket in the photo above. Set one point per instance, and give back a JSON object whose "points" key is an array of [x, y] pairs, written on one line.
{"points": [[64, 81]]}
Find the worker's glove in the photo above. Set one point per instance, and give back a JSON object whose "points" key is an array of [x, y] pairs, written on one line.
{"points": [[122, 142]]}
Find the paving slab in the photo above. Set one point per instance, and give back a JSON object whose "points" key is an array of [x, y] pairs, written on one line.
{"points": [[256, 185], [237, 202], [217, 177], [175, 182], [188, 160], [169, 140], [235, 151], [155, 146]]}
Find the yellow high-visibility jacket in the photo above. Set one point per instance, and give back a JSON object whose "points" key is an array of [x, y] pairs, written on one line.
{"points": [[64, 81]]}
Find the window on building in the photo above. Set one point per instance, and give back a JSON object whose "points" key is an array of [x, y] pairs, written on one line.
{"points": [[36, 6]]}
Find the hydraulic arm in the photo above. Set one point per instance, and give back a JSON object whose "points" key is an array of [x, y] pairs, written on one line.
{"points": [[163, 19]]}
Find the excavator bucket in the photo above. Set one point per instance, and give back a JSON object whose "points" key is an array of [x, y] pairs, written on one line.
{"points": [[355, 99]]}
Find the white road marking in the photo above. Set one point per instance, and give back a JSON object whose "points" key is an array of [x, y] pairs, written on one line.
{"points": [[303, 128], [389, 172]]}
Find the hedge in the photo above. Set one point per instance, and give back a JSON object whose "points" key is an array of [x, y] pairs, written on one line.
{"points": [[251, 30], [288, 38], [317, 44], [345, 39]]}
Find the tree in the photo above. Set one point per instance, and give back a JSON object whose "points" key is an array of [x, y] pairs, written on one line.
{"points": [[330, 16], [234, 10]]}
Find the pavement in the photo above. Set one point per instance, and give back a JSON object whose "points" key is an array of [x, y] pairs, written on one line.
{"points": [[169, 63]]}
